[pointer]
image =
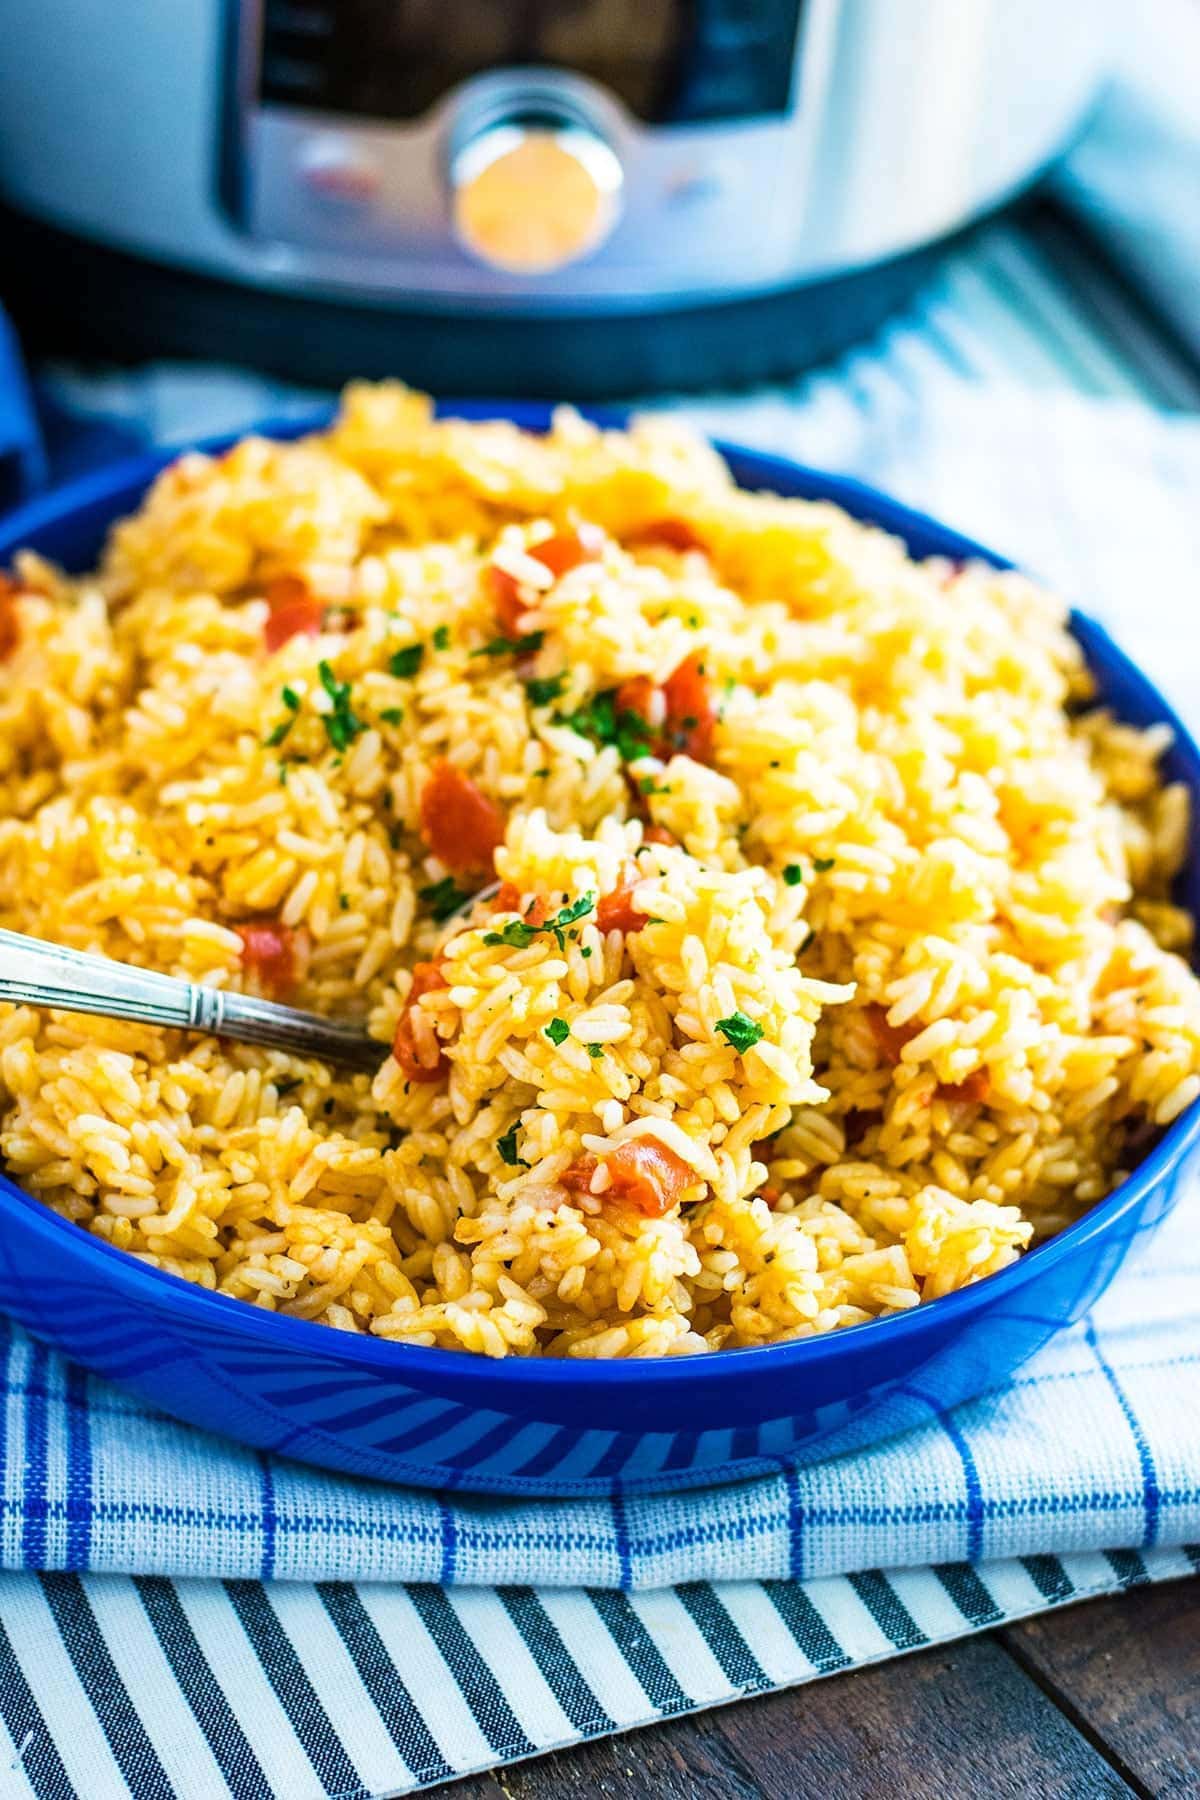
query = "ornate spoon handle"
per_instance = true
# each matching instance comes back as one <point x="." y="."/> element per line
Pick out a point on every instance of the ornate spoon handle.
<point x="36" y="973"/>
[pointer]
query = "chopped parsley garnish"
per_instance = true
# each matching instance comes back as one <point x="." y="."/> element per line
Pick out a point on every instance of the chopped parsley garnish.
<point x="344" y="902"/>
<point x="648" y="785"/>
<point x="578" y="909"/>
<point x="518" y="934"/>
<point x="739" y="1031"/>
<point x="392" y="715"/>
<point x="342" y="725"/>
<point x="504" y="646"/>
<point x="406" y="662"/>
<point x="599" y="720"/>
<point x="558" y="1031"/>
<point x="793" y="875"/>
<point x="823" y="864"/>
<point x="291" y="700"/>
<point x="441" y="638"/>
<point x="543" y="689"/>
<point x="444" y="897"/>
<point x="507" y="1146"/>
<point x="586" y="951"/>
<point x="595" y="1051"/>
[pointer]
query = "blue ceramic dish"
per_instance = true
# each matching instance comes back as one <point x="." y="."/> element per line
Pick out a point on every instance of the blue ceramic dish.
<point x="445" y="1419"/>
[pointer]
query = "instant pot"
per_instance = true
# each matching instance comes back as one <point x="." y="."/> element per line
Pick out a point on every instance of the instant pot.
<point x="567" y="196"/>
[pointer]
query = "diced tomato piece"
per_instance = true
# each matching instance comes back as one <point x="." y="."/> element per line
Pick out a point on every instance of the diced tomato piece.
<point x="10" y="625"/>
<point x="458" y="822"/>
<point x="684" y="717"/>
<point x="690" y="711"/>
<point x="578" y="1178"/>
<point x="672" y="534"/>
<point x="567" y="549"/>
<point x="658" y="834"/>
<point x="508" y="899"/>
<point x="890" y="1039"/>
<point x="295" y="612"/>
<point x="616" y="911"/>
<point x="646" y="1176"/>
<point x="971" y="1092"/>
<point x="269" y="955"/>
<point x="508" y="601"/>
<point x="428" y="977"/>
<point x="772" y="1196"/>
<point x="637" y="696"/>
<point x="559" y="553"/>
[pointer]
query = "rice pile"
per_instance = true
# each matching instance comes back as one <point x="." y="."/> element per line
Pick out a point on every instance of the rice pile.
<point x="825" y="975"/>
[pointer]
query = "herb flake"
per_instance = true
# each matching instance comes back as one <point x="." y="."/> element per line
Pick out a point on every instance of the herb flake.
<point x="405" y="663"/>
<point x="793" y="875"/>
<point x="541" y="690"/>
<point x="558" y="1031"/>
<point x="601" y="722"/>
<point x="739" y="1031"/>
<point x="504" y="646"/>
<point x="342" y="725"/>
<point x="507" y="1146"/>
<point x="518" y="934"/>
<point x="443" y="897"/>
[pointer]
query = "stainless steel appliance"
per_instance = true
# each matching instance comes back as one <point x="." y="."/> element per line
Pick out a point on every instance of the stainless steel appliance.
<point x="548" y="194"/>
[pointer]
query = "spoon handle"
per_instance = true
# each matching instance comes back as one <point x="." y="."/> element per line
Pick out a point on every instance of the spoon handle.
<point x="36" y="973"/>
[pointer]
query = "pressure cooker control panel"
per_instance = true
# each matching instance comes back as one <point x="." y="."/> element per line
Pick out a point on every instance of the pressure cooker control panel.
<point x="521" y="136"/>
<point x="666" y="60"/>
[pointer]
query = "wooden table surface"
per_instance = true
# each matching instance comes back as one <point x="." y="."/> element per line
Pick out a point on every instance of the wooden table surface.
<point x="1099" y="1699"/>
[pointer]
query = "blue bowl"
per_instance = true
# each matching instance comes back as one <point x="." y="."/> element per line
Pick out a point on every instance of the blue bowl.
<point x="445" y="1419"/>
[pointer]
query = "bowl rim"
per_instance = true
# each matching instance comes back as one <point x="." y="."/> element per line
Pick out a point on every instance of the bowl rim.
<point x="764" y="471"/>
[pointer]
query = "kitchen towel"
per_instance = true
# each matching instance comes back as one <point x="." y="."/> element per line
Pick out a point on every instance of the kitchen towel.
<point x="403" y="1640"/>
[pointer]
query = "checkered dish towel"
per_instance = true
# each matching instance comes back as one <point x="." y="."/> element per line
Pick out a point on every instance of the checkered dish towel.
<point x="377" y="1668"/>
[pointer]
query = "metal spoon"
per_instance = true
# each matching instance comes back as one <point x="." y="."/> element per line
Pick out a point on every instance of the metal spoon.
<point x="36" y="973"/>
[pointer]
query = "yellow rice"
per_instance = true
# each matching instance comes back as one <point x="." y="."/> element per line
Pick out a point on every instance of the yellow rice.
<point x="967" y="847"/>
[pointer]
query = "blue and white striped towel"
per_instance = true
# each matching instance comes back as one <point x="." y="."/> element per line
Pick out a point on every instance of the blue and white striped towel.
<point x="503" y="1629"/>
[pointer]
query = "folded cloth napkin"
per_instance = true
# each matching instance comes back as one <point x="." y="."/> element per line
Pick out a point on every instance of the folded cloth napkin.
<point x="501" y="1630"/>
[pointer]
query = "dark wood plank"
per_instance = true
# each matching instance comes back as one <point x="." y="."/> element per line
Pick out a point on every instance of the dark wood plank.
<point x="1127" y="1667"/>
<point x="960" y="1719"/>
